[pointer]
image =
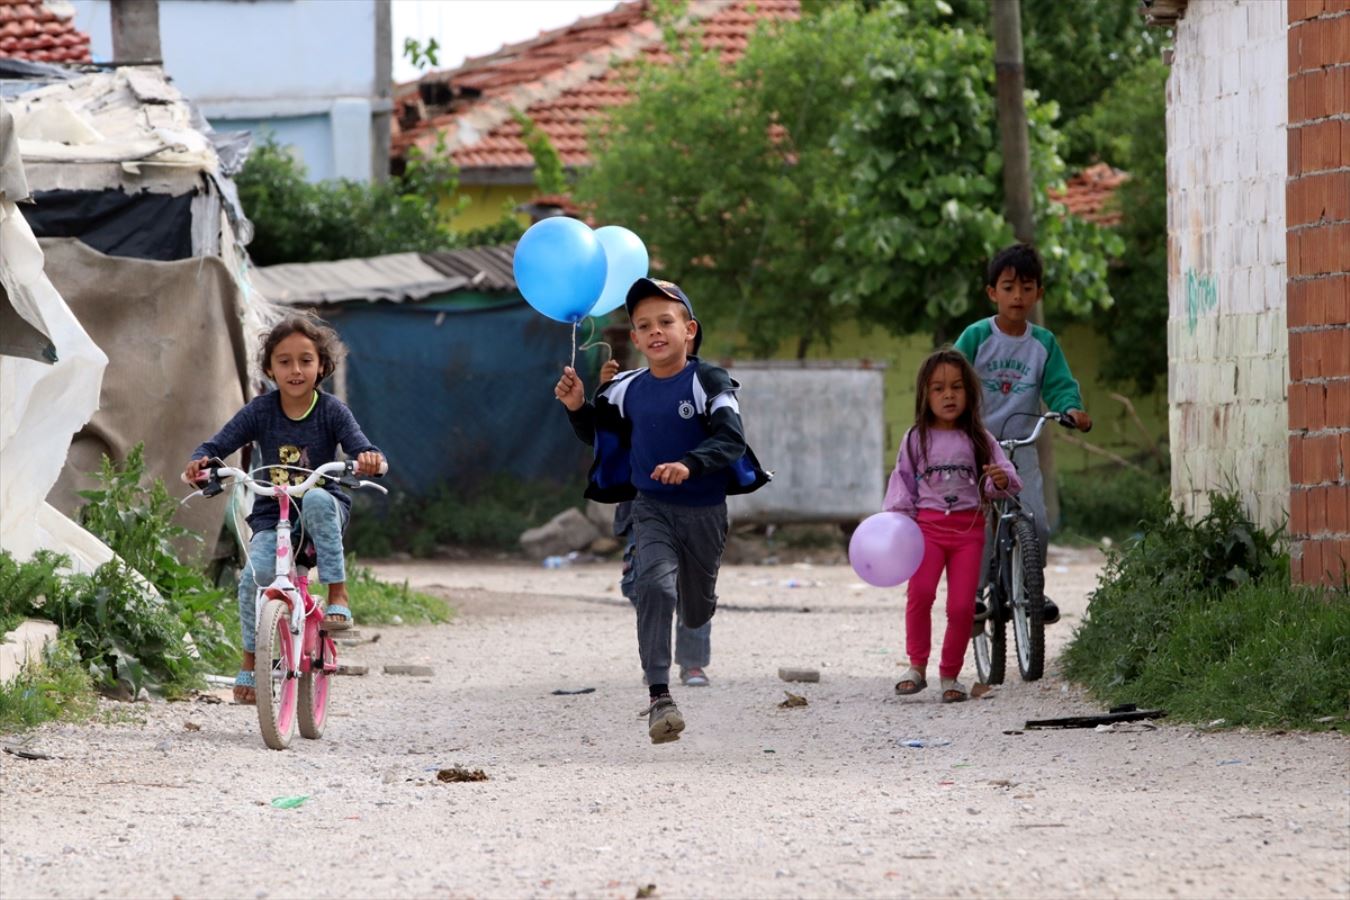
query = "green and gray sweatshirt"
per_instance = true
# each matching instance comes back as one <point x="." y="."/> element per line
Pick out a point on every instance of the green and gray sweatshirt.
<point x="1016" y="373"/>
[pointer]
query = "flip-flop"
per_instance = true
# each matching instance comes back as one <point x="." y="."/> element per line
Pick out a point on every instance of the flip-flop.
<point x="954" y="691"/>
<point x="335" y="609"/>
<point x="915" y="681"/>
<point x="242" y="681"/>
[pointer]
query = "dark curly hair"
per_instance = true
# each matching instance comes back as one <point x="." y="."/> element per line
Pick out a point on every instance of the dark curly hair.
<point x="330" y="347"/>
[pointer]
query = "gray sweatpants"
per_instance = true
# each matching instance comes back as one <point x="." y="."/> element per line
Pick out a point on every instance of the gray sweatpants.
<point x="679" y="550"/>
<point x="693" y="646"/>
<point x="1033" y="501"/>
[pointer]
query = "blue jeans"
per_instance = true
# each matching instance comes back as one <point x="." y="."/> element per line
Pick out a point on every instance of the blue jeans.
<point x="322" y="519"/>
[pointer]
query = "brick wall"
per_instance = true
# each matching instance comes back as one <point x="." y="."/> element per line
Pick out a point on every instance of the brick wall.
<point x="1227" y="104"/>
<point x="1318" y="248"/>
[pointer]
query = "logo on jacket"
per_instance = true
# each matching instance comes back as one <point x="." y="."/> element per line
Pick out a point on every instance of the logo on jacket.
<point x="686" y="410"/>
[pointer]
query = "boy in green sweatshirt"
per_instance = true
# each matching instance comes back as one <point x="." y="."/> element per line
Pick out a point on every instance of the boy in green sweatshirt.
<point x="1019" y="365"/>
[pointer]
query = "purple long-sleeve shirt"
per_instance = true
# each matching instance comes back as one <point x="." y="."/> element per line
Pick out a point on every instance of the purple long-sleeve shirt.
<point x="943" y="479"/>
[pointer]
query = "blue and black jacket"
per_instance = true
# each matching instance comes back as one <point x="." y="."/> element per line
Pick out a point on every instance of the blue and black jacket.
<point x="604" y="425"/>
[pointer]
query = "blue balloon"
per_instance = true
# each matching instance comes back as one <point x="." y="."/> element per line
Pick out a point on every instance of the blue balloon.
<point x="626" y="258"/>
<point x="560" y="268"/>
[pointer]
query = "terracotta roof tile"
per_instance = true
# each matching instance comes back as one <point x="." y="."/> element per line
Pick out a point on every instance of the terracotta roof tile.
<point x="1086" y="194"/>
<point x="30" y="30"/>
<point x="562" y="79"/>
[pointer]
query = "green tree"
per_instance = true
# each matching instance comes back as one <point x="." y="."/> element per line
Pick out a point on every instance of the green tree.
<point x="298" y="221"/>
<point x="788" y="197"/>
<point x="1126" y="127"/>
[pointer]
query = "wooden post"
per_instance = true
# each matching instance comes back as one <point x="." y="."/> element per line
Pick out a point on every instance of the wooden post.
<point x="1012" y="129"/>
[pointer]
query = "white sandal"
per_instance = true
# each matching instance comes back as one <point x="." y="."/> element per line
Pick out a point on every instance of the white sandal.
<point x="952" y="686"/>
<point x="914" y="677"/>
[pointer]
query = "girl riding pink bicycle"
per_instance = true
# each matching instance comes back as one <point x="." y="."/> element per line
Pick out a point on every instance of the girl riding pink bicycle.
<point x="295" y="426"/>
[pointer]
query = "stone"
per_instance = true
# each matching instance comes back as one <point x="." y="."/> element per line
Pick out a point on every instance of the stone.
<point x="415" y="671"/>
<point x="351" y="670"/>
<point x="601" y="515"/>
<point x="567" y="531"/>
<point x="807" y="675"/>
<point x="604" y="546"/>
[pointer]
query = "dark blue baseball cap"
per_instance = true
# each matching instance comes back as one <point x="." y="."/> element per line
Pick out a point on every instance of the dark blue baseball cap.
<point x="655" y="287"/>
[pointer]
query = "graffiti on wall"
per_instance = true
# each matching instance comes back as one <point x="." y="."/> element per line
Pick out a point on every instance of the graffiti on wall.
<point x="1202" y="295"/>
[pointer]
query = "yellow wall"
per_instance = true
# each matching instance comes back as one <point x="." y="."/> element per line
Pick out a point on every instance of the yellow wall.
<point x="487" y="202"/>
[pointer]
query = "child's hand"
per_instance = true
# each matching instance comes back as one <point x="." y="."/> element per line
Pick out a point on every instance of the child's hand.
<point x="192" y="473"/>
<point x="369" y="463"/>
<point x="1081" y="420"/>
<point x="569" y="389"/>
<point x="670" y="473"/>
<point x="994" y="472"/>
<point x="608" y="371"/>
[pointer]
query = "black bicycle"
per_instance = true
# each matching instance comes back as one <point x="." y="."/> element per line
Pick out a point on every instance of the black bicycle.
<point x="1015" y="582"/>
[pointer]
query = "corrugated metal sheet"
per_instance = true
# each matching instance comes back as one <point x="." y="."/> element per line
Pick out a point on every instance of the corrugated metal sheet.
<point x="486" y="268"/>
<point x="395" y="278"/>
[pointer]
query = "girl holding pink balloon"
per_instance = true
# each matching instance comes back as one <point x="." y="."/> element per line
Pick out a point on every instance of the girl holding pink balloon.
<point x="948" y="468"/>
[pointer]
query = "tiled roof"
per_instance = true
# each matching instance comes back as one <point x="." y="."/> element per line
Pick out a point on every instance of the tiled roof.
<point x="1086" y="194"/>
<point x="29" y="29"/>
<point x="561" y="80"/>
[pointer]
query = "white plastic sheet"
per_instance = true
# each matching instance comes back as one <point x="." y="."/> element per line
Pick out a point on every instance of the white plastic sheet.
<point x="42" y="405"/>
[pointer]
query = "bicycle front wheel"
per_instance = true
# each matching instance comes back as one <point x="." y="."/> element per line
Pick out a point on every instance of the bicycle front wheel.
<point x="1028" y="600"/>
<point x="274" y="661"/>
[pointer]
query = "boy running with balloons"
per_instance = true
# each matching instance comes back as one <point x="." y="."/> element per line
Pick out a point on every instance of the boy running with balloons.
<point x="669" y="438"/>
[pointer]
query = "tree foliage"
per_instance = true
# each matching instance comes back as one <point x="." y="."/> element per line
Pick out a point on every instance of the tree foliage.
<point x="1125" y="127"/>
<point x="295" y="220"/>
<point x="789" y="197"/>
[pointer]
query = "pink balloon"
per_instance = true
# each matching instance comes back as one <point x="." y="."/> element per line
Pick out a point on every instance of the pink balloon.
<point x="886" y="549"/>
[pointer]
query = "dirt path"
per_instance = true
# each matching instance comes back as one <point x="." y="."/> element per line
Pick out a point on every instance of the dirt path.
<point x="755" y="801"/>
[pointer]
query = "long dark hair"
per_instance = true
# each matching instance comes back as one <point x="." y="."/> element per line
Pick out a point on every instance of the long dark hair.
<point x="970" y="420"/>
<point x="326" y="341"/>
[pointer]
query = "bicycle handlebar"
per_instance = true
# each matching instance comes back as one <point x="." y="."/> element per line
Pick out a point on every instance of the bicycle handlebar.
<point x="347" y="478"/>
<point x="1013" y="443"/>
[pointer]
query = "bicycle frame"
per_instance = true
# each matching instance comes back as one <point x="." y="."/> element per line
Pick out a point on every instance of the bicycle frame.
<point x="306" y="617"/>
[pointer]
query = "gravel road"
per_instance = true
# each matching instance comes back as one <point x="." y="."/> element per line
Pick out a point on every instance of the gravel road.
<point x="173" y="799"/>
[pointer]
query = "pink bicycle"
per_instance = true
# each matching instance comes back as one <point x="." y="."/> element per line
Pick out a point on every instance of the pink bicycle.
<point x="295" y="658"/>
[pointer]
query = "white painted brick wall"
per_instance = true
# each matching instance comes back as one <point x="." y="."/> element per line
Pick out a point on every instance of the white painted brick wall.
<point x="1226" y="340"/>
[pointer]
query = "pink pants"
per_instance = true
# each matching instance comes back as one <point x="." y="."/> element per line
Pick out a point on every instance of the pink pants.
<point x="954" y="542"/>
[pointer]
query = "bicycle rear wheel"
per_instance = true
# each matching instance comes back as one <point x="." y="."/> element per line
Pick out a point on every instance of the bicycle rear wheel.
<point x="274" y="661"/>
<point x="1028" y="600"/>
<point x="990" y="645"/>
<point x="314" y="686"/>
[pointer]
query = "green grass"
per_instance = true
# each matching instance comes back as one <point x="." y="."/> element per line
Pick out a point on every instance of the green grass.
<point x="1200" y="618"/>
<point x="376" y="602"/>
<point x="60" y="689"/>
<point x="1106" y="501"/>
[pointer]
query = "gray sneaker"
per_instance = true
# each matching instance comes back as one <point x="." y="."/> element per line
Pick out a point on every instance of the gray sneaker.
<point x="693" y="676"/>
<point x="664" y="722"/>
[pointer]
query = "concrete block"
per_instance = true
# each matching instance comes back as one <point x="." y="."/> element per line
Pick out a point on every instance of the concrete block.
<point x="23" y="647"/>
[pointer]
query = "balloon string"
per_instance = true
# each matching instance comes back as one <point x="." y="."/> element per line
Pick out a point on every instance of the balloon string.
<point x="588" y="343"/>
<point x="574" y="345"/>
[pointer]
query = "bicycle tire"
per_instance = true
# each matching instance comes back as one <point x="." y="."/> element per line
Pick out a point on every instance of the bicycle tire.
<point x="273" y="660"/>
<point x="990" y="646"/>
<point x="314" y="687"/>
<point x="1028" y="600"/>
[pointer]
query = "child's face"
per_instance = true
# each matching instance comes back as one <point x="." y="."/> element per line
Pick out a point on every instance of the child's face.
<point x="946" y="394"/>
<point x="294" y="365"/>
<point x="1014" y="296"/>
<point x="662" y="330"/>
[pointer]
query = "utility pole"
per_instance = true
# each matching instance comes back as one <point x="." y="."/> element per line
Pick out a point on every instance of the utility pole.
<point x="1012" y="129"/>
<point x="135" y="32"/>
